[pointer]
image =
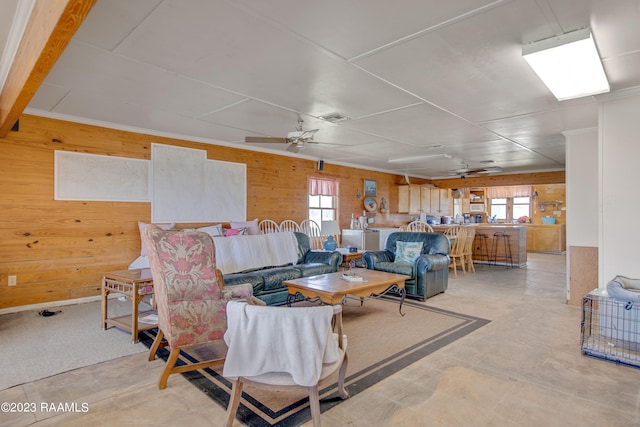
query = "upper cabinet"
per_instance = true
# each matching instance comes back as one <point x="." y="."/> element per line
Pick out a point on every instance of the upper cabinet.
<point x="413" y="199"/>
<point x="476" y="202"/>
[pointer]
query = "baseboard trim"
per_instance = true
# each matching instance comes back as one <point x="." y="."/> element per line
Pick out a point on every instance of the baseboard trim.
<point x="51" y="304"/>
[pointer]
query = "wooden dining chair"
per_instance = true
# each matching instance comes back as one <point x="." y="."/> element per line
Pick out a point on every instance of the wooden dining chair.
<point x="457" y="251"/>
<point x="315" y="347"/>
<point x="312" y="229"/>
<point x="468" y="249"/>
<point x="419" y="226"/>
<point x="452" y="231"/>
<point x="289" y="225"/>
<point x="267" y="226"/>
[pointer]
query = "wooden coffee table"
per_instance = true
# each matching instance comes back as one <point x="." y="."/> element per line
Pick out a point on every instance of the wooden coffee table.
<point x="331" y="288"/>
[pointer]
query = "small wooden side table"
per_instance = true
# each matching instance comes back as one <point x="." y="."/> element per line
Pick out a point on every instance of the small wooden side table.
<point x="351" y="260"/>
<point x="135" y="285"/>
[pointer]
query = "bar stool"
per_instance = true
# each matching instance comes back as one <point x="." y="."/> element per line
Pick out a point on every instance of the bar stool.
<point x="498" y="239"/>
<point x="482" y="249"/>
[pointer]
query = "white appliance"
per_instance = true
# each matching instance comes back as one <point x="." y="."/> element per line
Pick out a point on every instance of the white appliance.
<point x="364" y="240"/>
<point x="384" y="234"/>
<point x="476" y="207"/>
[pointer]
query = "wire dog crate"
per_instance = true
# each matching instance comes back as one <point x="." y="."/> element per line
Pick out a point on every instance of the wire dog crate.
<point x="610" y="328"/>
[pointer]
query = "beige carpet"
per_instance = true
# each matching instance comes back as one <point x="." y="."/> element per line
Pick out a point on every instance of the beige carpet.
<point x="35" y="347"/>
<point x="380" y="343"/>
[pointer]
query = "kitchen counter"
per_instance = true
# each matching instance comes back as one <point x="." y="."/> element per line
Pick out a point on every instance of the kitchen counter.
<point x="517" y="241"/>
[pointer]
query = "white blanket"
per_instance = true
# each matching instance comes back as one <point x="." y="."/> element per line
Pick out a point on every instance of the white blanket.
<point x="240" y="253"/>
<point x="263" y="339"/>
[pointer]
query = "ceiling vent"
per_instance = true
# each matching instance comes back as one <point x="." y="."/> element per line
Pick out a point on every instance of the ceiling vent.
<point x="335" y="117"/>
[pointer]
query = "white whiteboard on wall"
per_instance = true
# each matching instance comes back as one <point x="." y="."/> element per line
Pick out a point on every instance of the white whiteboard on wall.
<point x="80" y="176"/>
<point x="187" y="187"/>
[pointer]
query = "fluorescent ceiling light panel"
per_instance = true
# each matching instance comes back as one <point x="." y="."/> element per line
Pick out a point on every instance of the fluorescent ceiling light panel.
<point x="418" y="158"/>
<point x="568" y="64"/>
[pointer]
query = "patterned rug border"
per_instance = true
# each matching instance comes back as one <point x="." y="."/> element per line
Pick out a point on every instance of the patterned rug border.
<point x="217" y="387"/>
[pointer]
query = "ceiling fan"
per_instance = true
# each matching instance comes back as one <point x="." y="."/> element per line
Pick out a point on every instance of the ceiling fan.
<point x="296" y="139"/>
<point x="465" y="171"/>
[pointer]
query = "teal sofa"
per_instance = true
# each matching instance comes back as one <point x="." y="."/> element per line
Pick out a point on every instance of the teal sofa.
<point x="267" y="282"/>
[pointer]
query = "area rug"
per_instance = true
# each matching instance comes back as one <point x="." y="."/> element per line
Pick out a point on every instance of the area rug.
<point x="380" y="343"/>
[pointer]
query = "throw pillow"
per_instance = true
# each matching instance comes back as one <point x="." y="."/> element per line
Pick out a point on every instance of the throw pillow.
<point x="212" y="230"/>
<point x="232" y="232"/>
<point x="407" y="252"/>
<point x="251" y="226"/>
<point x="142" y="225"/>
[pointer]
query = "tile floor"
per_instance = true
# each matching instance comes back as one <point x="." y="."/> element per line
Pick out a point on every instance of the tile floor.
<point x="523" y="369"/>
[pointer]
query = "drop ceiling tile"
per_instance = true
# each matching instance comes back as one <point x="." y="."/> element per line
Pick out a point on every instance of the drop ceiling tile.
<point x="344" y="27"/>
<point x="110" y="21"/>
<point x="421" y="125"/>
<point x="133" y="115"/>
<point x="473" y="68"/>
<point x="614" y="23"/>
<point x="622" y="71"/>
<point x="87" y="69"/>
<point x="256" y="59"/>
<point x="48" y="96"/>
<point x="527" y="128"/>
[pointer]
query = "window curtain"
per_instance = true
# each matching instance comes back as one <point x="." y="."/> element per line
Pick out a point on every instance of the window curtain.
<point x="323" y="187"/>
<point x="509" y="192"/>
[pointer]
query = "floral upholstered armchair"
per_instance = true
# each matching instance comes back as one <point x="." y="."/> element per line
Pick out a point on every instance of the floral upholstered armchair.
<point x="190" y="297"/>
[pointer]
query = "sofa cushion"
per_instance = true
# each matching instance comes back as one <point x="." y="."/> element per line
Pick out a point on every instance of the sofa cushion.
<point x="407" y="252"/>
<point x="256" y="281"/>
<point x="273" y="277"/>
<point x="395" y="267"/>
<point x="313" y="269"/>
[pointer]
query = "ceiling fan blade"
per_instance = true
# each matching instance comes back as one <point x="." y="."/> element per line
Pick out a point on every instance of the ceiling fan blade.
<point x="308" y="134"/>
<point x="261" y="139"/>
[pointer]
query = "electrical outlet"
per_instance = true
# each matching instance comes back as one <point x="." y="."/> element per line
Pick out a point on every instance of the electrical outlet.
<point x="13" y="280"/>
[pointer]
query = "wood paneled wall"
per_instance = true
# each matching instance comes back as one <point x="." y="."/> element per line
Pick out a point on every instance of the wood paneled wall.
<point x="549" y="193"/>
<point x="59" y="249"/>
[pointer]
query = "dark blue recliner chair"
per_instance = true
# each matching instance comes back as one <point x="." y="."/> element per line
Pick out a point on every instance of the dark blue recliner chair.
<point x="430" y="271"/>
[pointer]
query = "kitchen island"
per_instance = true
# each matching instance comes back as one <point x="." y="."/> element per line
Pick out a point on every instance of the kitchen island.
<point x="517" y="242"/>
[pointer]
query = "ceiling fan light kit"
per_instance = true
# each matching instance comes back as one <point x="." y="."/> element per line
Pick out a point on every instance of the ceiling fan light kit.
<point x="569" y="64"/>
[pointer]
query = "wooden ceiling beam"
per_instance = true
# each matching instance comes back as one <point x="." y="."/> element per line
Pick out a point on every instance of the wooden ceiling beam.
<point x="535" y="178"/>
<point x="51" y="26"/>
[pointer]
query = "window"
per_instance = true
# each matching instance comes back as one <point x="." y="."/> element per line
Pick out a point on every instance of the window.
<point x="508" y="209"/>
<point x="323" y="199"/>
<point x="499" y="209"/>
<point x="521" y="207"/>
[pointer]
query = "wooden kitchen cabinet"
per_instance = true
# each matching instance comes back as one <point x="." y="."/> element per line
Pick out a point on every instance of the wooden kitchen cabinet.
<point x="403" y="199"/>
<point x="425" y="199"/>
<point x="414" y="199"/>
<point x="409" y="199"/>
<point x="440" y="202"/>
<point x="546" y="238"/>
